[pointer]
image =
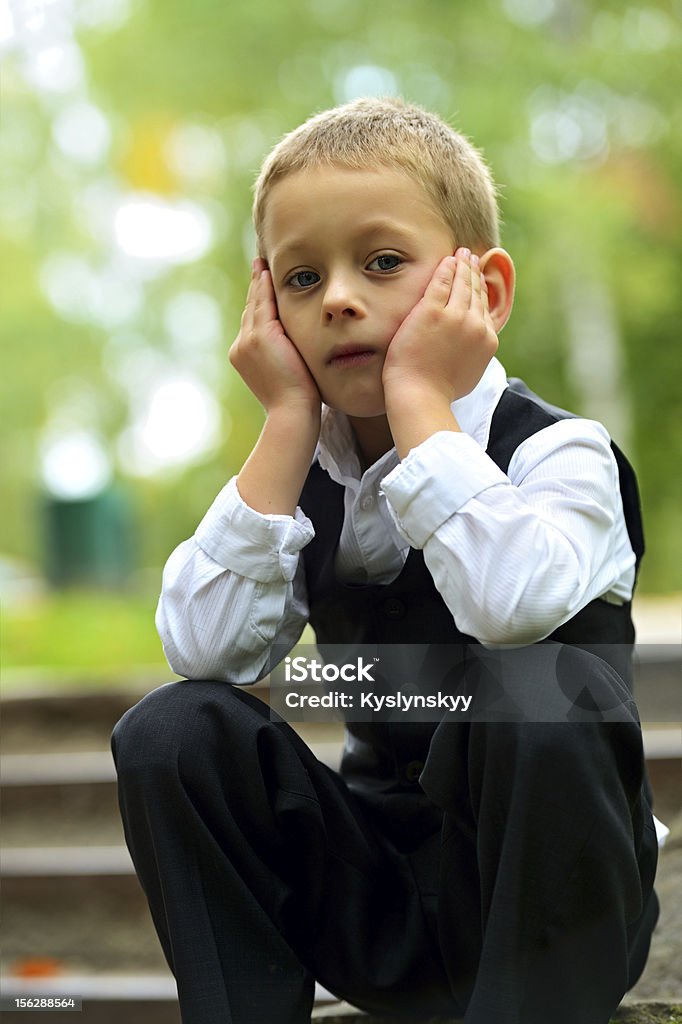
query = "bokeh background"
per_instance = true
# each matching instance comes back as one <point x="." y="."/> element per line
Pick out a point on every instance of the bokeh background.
<point x="131" y="133"/>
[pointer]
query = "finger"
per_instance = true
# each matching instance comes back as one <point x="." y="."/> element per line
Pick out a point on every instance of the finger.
<point x="439" y="287"/>
<point x="484" y="293"/>
<point x="247" y="315"/>
<point x="461" y="289"/>
<point x="485" y="300"/>
<point x="476" y="286"/>
<point x="265" y="307"/>
<point x="257" y="268"/>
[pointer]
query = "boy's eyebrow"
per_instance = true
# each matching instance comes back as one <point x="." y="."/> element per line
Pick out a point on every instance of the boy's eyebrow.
<point x="373" y="227"/>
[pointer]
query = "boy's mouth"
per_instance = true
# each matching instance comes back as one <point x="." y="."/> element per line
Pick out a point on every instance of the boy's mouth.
<point x="350" y="355"/>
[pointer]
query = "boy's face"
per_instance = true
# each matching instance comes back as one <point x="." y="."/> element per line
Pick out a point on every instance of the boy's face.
<point x="351" y="252"/>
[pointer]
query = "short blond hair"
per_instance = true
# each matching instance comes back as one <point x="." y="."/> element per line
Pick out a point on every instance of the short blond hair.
<point x="389" y="132"/>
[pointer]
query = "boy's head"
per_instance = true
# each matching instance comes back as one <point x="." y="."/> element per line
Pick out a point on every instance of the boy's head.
<point x="354" y="211"/>
<point x="367" y="134"/>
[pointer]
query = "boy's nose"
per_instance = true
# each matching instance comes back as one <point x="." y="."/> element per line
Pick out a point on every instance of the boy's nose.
<point x="340" y="301"/>
<point x="335" y="312"/>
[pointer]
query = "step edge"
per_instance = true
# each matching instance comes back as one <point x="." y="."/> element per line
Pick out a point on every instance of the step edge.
<point x="64" y="861"/>
<point x="160" y="987"/>
<point x="97" y="767"/>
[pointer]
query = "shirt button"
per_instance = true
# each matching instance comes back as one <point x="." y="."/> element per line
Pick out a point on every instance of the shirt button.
<point x="367" y="502"/>
<point x="394" y="609"/>
<point x="413" y="770"/>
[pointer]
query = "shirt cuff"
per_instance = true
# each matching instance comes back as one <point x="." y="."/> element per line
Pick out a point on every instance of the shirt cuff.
<point x="435" y="480"/>
<point x="260" y="547"/>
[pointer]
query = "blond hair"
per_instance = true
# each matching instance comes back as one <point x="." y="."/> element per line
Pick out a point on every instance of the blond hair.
<point x="369" y="133"/>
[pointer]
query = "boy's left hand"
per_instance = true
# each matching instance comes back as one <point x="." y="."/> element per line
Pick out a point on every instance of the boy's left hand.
<point x="442" y="347"/>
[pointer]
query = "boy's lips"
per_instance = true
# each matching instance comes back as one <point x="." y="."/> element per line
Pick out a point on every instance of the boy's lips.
<point x="350" y="355"/>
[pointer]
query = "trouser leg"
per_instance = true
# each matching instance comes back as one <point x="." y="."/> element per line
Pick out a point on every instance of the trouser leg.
<point x="181" y="815"/>
<point x="549" y="845"/>
<point x="261" y="869"/>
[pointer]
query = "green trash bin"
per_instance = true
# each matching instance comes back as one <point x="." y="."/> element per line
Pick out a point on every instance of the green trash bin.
<point x="88" y="541"/>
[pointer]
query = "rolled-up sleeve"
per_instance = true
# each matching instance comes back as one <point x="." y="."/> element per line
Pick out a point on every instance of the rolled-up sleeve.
<point x="429" y="486"/>
<point x="232" y="590"/>
<point x="514" y="556"/>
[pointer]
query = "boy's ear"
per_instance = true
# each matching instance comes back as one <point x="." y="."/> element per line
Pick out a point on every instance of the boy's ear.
<point x="498" y="269"/>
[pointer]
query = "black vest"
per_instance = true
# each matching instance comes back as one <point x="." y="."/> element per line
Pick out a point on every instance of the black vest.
<point x="411" y="610"/>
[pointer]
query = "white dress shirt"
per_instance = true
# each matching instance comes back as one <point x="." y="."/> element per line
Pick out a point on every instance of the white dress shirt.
<point x="513" y="555"/>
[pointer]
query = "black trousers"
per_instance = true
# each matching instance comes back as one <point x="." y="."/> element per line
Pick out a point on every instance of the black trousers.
<point x="511" y="883"/>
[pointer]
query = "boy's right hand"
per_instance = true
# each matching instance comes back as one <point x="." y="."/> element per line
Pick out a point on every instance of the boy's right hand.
<point x="265" y="358"/>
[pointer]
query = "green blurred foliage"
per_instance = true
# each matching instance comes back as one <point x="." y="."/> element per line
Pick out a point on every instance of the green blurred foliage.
<point x="575" y="103"/>
<point x="82" y="636"/>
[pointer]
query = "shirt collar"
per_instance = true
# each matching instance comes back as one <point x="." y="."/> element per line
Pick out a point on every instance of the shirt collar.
<point x="336" y="448"/>
<point x="337" y="443"/>
<point x="475" y="411"/>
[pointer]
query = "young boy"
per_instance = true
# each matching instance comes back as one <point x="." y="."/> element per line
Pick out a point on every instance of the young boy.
<point x="402" y="491"/>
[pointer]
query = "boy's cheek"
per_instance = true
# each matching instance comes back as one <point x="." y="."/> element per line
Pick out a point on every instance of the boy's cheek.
<point x="293" y="327"/>
<point x="280" y="301"/>
<point x="418" y="285"/>
<point x="287" y="322"/>
<point x="405" y="312"/>
<point x="303" y="347"/>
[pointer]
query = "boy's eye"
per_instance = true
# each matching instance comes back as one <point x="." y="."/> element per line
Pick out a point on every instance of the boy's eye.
<point x="303" y="279"/>
<point x="387" y="261"/>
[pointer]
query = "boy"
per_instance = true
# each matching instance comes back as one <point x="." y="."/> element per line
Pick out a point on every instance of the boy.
<point x="402" y="492"/>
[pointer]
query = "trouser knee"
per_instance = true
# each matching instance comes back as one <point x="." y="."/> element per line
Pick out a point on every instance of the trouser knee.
<point x="547" y="682"/>
<point x="549" y="720"/>
<point x="178" y="724"/>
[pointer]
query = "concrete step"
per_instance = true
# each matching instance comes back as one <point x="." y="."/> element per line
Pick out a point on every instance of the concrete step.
<point x="69" y="798"/>
<point x="21" y="771"/>
<point x="640" y="1013"/>
<point x="112" y="998"/>
<point x="82" y="907"/>
<point x="152" y="999"/>
<point x="658" y="682"/>
<point x="82" y="720"/>
<point x="64" y="799"/>
<point x="69" y="720"/>
<point x="663" y="752"/>
<point x="105" y="999"/>
<point x="85" y="909"/>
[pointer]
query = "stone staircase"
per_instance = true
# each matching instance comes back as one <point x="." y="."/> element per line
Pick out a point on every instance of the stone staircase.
<point x="74" y="920"/>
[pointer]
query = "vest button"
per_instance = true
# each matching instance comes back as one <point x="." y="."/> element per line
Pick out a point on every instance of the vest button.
<point x="394" y="609"/>
<point x="413" y="770"/>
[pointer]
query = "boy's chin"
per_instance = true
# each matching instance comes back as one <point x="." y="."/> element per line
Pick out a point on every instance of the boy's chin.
<point x="361" y="402"/>
<point x="360" y="410"/>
